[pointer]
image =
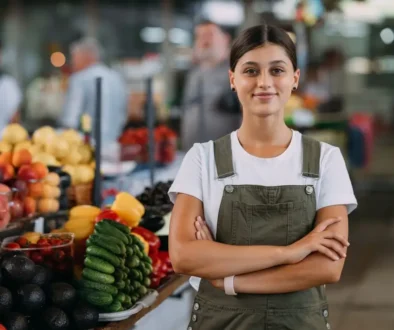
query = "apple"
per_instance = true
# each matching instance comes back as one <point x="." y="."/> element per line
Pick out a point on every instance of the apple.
<point x="27" y="173"/>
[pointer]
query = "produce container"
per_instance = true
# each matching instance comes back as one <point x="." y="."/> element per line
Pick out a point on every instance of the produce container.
<point x="55" y="251"/>
<point x="5" y="215"/>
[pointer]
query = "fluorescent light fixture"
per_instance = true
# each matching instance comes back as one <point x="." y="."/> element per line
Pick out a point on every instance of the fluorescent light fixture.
<point x="229" y="13"/>
<point x="387" y="36"/>
<point x="153" y="35"/>
<point x="361" y="11"/>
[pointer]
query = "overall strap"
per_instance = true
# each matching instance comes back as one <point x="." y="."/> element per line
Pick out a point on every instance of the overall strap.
<point x="311" y="157"/>
<point x="223" y="157"/>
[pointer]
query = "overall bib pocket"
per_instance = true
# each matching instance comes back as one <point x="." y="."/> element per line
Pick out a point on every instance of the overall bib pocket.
<point x="268" y="224"/>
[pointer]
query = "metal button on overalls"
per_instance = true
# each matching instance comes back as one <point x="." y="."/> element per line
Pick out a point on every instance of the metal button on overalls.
<point x="328" y="326"/>
<point x="325" y="313"/>
<point x="196" y="306"/>
<point x="229" y="189"/>
<point x="309" y="190"/>
<point x="194" y="317"/>
<point x="189" y="328"/>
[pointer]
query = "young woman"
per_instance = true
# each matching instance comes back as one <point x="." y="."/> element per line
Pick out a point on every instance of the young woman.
<point x="276" y="203"/>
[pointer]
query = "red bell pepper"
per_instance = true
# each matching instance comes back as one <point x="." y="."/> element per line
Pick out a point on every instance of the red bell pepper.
<point x="108" y="214"/>
<point x="150" y="237"/>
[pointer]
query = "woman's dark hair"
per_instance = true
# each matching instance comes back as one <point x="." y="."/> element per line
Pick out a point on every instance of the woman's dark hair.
<point x="258" y="36"/>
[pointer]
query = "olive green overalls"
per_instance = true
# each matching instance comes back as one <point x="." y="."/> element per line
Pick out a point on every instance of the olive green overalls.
<point x="259" y="215"/>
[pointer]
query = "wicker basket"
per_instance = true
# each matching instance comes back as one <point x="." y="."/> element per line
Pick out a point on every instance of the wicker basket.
<point x="80" y="194"/>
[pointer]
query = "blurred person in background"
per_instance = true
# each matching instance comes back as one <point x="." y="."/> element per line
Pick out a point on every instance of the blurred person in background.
<point x="81" y="96"/>
<point x="10" y="98"/>
<point x="210" y="108"/>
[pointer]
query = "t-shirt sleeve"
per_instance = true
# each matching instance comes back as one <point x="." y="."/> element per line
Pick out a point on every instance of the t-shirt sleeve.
<point x="188" y="179"/>
<point x="335" y="187"/>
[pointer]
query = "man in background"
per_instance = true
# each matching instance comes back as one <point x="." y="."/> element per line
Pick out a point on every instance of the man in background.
<point x="81" y="97"/>
<point x="210" y="108"/>
<point x="10" y="98"/>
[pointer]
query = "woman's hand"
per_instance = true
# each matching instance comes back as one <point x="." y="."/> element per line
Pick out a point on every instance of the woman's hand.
<point x="320" y="240"/>
<point x="202" y="230"/>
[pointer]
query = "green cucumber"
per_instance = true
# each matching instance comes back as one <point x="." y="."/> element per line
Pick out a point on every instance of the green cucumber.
<point x="105" y="244"/>
<point x="120" y="297"/>
<point x="122" y="228"/>
<point x="147" y="282"/>
<point x="99" y="265"/>
<point x="98" y="277"/>
<point x="133" y="262"/>
<point x="120" y="285"/>
<point x="143" y="291"/>
<point x="86" y="284"/>
<point x="99" y="252"/>
<point x="103" y="227"/>
<point x="116" y="306"/>
<point x="98" y="298"/>
<point x="110" y="240"/>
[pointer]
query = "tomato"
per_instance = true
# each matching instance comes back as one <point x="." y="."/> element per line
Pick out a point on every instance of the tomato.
<point x="13" y="246"/>
<point x="58" y="255"/>
<point x="55" y="241"/>
<point x="42" y="242"/>
<point x="36" y="257"/>
<point x="23" y="242"/>
<point x="155" y="282"/>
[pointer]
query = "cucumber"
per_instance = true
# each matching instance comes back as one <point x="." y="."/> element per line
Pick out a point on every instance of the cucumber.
<point x="105" y="244"/>
<point x="134" y="298"/>
<point x="98" y="277"/>
<point x="147" y="282"/>
<point x="116" y="306"/>
<point x="103" y="227"/>
<point x="110" y="240"/>
<point x="143" y="291"/>
<point x="99" y="265"/>
<point x="146" y="259"/>
<point x="86" y="284"/>
<point x="133" y="262"/>
<point x="120" y="285"/>
<point x="98" y="298"/>
<point x="137" y="285"/>
<point x="121" y="297"/>
<point x="134" y="274"/>
<point x="122" y="228"/>
<point x="99" y="252"/>
<point x="129" y="251"/>
<point x="127" y="300"/>
<point x="120" y="275"/>
<point x="148" y="268"/>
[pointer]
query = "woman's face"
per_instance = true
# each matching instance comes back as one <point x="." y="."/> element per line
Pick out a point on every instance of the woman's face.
<point x="263" y="79"/>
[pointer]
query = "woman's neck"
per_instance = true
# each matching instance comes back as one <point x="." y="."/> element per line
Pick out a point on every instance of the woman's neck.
<point x="263" y="131"/>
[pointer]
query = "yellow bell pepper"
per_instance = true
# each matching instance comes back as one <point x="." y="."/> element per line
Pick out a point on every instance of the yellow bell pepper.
<point x="129" y="209"/>
<point x="87" y="212"/>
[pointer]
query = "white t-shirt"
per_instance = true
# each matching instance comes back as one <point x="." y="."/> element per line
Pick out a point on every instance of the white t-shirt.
<point x="197" y="176"/>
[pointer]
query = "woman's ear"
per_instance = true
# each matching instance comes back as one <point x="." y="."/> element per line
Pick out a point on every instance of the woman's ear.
<point x="296" y="77"/>
<point x="231" y="78"/>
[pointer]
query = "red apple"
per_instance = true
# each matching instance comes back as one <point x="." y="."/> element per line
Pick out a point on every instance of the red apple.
<point x="27" y="173"/>
<point x="16" y="209"/>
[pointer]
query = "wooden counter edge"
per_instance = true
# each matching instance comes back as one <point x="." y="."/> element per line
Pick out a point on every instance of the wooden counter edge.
<point x="173" y="283"/>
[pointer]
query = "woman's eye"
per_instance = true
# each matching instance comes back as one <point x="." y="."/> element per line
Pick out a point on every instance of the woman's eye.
<point x="277" y="71"/>
<point x="251" y="71"/>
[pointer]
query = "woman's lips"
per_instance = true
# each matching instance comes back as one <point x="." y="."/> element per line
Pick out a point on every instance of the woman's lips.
<point x="264" y="96"/>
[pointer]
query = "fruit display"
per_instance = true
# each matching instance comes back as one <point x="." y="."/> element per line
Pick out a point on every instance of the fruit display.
<point x="116" y="268"/>
<point x="134" y="144"/>
<point x="66" y="149"/>
<point x="157" y="204"/>
<point x="32" y="299"/>
<point x="55" y="251"/>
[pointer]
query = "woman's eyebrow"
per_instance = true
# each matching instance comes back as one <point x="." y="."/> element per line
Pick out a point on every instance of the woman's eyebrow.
<point x="271" y="63"/>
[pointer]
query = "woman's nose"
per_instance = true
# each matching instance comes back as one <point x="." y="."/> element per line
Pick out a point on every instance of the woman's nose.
<point x="264" y="80"/>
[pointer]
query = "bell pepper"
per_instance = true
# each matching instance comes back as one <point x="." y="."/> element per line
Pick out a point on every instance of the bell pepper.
<point x="150" y="237"/>
<point x="128" y="208"/>
<point x="107" y="214"/>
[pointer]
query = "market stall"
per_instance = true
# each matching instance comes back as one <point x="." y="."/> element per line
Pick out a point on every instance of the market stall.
<point x="77" y="251"/>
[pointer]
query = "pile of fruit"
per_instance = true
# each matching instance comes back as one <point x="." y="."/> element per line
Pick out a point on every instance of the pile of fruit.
<point x="54" y="251"/>
<point x="66" y="150"/>
<point x="165" y="141"/>
<point x="117" y="268"/>
<point x="32" y="300"/>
